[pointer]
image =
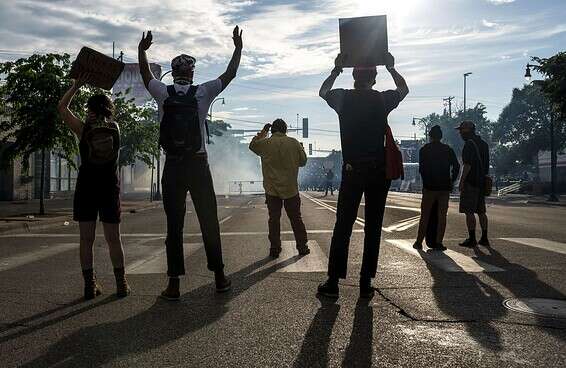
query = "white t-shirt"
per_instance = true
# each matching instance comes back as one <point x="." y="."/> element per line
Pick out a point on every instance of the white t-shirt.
<point x="205" y="94"/>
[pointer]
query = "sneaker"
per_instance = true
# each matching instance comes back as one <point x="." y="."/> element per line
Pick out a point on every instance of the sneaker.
<point x="469" y="243"/>
<point x="418" y="246"/>
<point x="366" y="290"/>
<point x="439" y="247"/>
<point x="223" y="284"/>
<point x="485" y="242"/>
<point x="274" y="252"/>
<point x="172" y="292"/>
<point x="303" y="250"/>
<point x="329" y="289"/>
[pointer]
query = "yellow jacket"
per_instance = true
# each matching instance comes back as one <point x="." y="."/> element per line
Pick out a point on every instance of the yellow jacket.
<point x="281" y="157"/>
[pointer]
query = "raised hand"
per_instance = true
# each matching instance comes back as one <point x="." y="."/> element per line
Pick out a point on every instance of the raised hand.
<point x="237" y="37"/>
<point x="146" y="41"/>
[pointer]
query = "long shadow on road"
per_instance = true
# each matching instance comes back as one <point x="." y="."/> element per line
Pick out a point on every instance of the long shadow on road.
<point x="464" y="298"/>
<point x="163" y="323"/>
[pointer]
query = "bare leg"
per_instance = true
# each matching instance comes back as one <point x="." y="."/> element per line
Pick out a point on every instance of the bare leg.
<point x="87" y="235"/>
<point x="112" y="236"/>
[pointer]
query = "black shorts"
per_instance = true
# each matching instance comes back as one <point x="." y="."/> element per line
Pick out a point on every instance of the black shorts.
<point x="472" y="200"/>
<point x="97" y="196"/>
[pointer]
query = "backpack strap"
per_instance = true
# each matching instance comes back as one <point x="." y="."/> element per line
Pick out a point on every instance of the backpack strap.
<point x="171" y="91"/>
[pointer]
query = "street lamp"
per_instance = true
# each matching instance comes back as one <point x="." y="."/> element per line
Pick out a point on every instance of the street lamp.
<point x="425" y="124"/>
<point x="553" y="158"/>
<point x="157" y="194"/>
<point x="212" y="104"/>
<point x="465" y="77"/>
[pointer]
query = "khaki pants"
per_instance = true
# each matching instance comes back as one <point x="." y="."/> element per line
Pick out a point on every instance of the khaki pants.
<point x="430" y="197"/>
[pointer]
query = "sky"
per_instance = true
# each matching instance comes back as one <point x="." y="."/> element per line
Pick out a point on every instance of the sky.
<point x="290" y="46"/>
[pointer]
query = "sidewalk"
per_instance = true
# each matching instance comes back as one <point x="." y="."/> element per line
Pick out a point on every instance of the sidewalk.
<point x="22" y="216"/>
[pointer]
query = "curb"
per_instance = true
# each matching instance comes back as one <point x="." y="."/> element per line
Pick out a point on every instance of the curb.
<point x="26" y="227"/>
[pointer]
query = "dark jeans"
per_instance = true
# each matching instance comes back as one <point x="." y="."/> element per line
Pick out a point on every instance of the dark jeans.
<point x="357" y="179"/>
<point x="190" y="174"/>
<point x="293" y="209"/>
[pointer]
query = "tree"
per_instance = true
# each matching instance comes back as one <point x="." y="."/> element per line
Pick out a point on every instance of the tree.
<point x="477" y="114"/>
<point x="523" y="127"/>
<point x="139" y="131"/>
<point x="554" y="86"/>
<point x="32" y="90"/>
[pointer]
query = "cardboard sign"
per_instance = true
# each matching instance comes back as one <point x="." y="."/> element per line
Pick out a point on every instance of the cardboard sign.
<point x="363" y="41"/>
<point x="103" y="69"/>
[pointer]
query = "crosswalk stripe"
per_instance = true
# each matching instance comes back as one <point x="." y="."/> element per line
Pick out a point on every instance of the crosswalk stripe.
<point x="186" y="235"/>
<point x="36" y="255"/>
<point x="155" y="261"/>
<point x="404" y="224"/>
<point x="448" y="260"/>
<point x="316" y="261"/>
<point x="359" y="221"/>
<point x="540" y="243"/>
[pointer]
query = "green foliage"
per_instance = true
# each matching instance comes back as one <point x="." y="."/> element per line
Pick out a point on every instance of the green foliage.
<point x="451" y="136"/>
<point x="139" y="130"/>
<point x="218" y="128"/>
<point x="32" y="90"/>
<point x="554" y="86"/>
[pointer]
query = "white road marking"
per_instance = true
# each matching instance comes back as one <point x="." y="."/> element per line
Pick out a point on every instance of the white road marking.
<point x="448" y="260"/>
<point x="224" y="219"/>
<point x="156" y="260"/>
<point x="359" y="221"/>
<point x="35" y="255"/>
<point x="413" y="209"/>
<point x="549" y="245"/>
<point x="403" y="224"/>
<point x="316" y="261"/>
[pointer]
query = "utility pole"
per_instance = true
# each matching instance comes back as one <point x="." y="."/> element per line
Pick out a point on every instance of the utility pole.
<point x="448" y="100"/>
<point x="465" y="77"/>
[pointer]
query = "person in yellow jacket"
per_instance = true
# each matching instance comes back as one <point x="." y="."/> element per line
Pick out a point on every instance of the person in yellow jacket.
<point x="281" y="157"/>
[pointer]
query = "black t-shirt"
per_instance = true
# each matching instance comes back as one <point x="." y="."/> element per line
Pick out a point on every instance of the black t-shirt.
<point x="363" y="117"/>
<point x="438" y="166"/>
<point x="479" y="164"/>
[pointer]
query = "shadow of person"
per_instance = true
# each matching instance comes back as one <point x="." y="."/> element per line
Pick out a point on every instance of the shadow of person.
<point x="314" y="350"/>
<point x="52" y="321"/>
<point x="522" y="282"/>
<point x="359" y="352"/>
<point x="163" y="323"/>
<point x="464" y="298"/>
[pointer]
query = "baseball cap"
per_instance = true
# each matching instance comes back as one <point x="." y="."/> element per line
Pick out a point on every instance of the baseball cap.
<point x="183" y="63"/>
<point x="466" y="125"/>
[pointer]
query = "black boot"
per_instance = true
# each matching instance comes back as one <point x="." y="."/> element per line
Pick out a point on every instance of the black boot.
<point x="329" y="288"/>
<point x="172" y="292"/>
<point x="91" y="289"/>
<point x="122" y="287"/>
<point x="484" y="240"/>
<point x="366" y="290"/>
<point x="223" y="284"/>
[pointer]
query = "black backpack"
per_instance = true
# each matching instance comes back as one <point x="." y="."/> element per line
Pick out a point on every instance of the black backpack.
<point x="180" y="132"/>
<point x="103" y="141"/>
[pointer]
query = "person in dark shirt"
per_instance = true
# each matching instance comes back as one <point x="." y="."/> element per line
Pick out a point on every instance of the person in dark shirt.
<point x="329" y="183"/>
<point x="362" y="113"/>
<point x="439" y="169"/>
<point x="475" y="158"/>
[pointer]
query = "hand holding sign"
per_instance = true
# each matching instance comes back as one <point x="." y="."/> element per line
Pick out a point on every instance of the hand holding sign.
<point x="102" y="70"/>
<point x="389" y="61"/>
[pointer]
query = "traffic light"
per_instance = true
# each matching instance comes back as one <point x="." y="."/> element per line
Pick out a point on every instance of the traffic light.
<point x="305" y="127"/>
<point x="310" y="149"/>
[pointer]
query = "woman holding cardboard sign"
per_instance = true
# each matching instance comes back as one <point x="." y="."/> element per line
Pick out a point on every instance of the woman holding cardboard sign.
<point x="97" y="192"/>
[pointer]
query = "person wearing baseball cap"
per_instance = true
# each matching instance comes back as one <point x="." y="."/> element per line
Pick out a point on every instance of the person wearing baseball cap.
<point x="186" y="164"/>
<point x="475" y="159"/>
<point x="362" y="114"/>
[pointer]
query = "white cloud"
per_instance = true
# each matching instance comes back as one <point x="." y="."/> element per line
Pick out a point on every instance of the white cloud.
<point x="499" y="2"/>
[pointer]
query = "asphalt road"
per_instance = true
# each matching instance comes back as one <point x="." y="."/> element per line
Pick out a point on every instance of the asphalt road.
<point x="431" y="309"/>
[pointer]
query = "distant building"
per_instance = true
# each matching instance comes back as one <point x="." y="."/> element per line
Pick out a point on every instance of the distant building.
<point x="544" y="168"/>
